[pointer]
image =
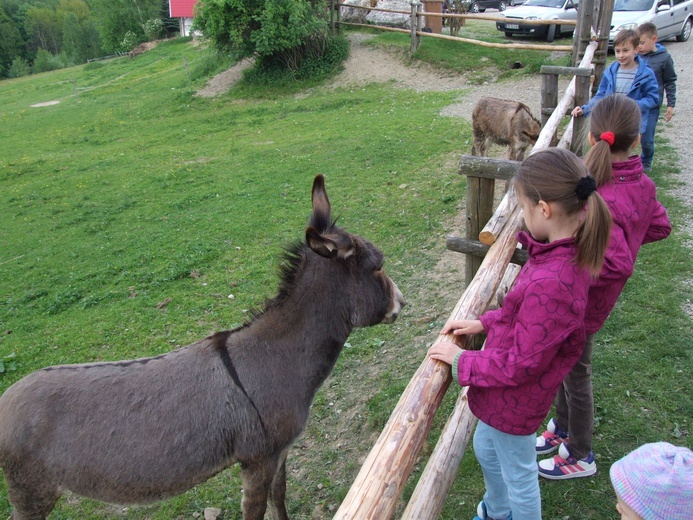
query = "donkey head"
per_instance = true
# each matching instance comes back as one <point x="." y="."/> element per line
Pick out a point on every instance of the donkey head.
<point x="358" y="265"/>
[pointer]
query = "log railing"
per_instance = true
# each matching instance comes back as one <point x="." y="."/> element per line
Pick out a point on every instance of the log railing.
<point x="378" y="485"/>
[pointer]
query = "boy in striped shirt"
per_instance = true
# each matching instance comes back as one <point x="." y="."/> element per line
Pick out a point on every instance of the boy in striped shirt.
<point x="628" y="75"/>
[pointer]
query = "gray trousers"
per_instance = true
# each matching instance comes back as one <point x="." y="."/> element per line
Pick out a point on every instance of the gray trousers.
<point x="575" y="404"/>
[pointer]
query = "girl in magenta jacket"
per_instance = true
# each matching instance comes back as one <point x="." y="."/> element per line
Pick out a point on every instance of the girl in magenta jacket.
<point x="534" y="340"/>
<point x="638" y="218"/>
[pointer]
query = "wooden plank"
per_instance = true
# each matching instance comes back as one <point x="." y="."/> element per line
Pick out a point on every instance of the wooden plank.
<point x="487" y="167"/>
<point x="570" y="71"/>
<point x="476" y="248"/>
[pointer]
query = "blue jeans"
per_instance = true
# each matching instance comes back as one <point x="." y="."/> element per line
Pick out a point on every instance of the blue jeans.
<point x="509" y="464"/>
<point x="647" y="138"/>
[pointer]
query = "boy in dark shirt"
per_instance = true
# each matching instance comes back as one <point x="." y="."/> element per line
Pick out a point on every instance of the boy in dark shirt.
<point x="659" y="60"/>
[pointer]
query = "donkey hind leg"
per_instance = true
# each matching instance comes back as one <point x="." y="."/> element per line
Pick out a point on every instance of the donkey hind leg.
<point x="277" y="494"/>
<point x="258" y="477"/>
<point x="31" y="502"/>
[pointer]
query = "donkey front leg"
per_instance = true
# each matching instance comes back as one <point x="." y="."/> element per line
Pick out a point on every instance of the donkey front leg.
<point x="259" y="480"/>
<point x="277" y="495"/>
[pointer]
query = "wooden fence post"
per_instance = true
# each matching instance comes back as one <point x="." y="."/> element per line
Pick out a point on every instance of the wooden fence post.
<point x="583" y="30"/>
<point x="414" y="23"/>
<point x="606" y="11"/>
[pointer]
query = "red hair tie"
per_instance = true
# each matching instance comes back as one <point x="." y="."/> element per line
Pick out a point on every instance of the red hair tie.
<point x="609" y="137"/>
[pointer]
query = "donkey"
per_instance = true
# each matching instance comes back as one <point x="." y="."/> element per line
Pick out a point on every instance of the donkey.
<point x="503" y="122"/>
<point x="133" y="432"/>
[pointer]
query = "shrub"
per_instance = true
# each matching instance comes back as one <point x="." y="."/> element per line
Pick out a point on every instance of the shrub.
<point x="19" y="68"/>
<point x="130" y="41"/>
<point x="153" y="28"/>
<point x="45" y="62"/>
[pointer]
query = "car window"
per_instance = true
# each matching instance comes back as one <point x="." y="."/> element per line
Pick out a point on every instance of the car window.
<point x="633" y="5"/>
<point x="677" y="2"/>
<point x="545" y="3"/>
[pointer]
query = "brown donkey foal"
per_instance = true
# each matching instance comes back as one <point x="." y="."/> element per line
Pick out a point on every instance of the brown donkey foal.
<point x="132" y="432"/>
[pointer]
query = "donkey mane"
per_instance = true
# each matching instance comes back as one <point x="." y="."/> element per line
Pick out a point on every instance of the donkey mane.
<point x="294" y="256"/>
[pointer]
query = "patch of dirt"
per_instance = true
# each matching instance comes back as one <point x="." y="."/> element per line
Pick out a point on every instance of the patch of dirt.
<point x="222" y="82"/>
<point x="45" y="104"/>
<point x="143" y="47"/>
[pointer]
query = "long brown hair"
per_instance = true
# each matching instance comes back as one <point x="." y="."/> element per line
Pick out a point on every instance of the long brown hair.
<point x="554" y="175"/>
<point x="619" y="115"/>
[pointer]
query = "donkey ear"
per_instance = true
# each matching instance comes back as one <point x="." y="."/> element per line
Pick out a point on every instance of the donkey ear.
<point x="329" y="245"/>
<point x="320" y="219"/>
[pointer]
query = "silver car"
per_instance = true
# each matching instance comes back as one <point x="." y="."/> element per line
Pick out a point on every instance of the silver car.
<point x="673" y="18"/>
<point x="539" y="10"/>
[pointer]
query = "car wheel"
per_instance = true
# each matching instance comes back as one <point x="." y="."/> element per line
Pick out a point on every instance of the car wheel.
<point x="551" y="33"/>
<point x="508" y="34"/>
<point x="501" y="6"/>
<point x="685" y="32"/>
<point x="474" y="8"/>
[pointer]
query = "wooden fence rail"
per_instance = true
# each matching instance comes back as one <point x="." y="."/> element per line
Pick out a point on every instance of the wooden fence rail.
<point x="418" y="14"/>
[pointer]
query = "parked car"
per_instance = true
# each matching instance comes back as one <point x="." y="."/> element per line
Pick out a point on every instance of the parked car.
<point x="673" y="18"/>
<point x="540" y="10"/>
<point x="479" y="6"/>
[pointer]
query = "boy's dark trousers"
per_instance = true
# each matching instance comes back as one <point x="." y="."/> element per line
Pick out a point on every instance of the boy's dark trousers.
<point x="647" y="138"/>
<point x="575" y="404"/>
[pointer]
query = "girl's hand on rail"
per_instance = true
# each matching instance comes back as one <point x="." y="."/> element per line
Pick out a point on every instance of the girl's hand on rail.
<point x="462" y="327"/>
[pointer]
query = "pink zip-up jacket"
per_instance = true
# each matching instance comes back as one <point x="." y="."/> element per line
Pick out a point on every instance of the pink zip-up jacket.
<point x="638" y="218"/>
<point x="532" y="341"/>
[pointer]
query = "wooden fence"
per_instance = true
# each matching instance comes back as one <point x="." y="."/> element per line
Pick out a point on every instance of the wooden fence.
<point x="417" y="15"/>
<point x="378" y="486"/>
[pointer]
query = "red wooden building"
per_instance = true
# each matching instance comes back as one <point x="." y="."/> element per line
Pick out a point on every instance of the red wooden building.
<point x="184" y="10"/>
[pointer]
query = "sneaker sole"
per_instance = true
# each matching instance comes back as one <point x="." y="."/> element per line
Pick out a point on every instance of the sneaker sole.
<point x="566" y="476"/>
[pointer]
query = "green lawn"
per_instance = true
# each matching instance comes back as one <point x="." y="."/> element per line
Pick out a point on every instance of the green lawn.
<point x="130" y="213"/>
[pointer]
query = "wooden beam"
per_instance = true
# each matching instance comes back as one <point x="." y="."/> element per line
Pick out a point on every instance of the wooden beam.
<point x="476" y="248"/>
<point x="570" y="71"/>
<point x="487" y="167"/>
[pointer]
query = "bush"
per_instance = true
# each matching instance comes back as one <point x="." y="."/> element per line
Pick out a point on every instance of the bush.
<point x="45" y="62"/>
<point x="153" y="28"/>
<point x="318" y="59"/>
<point x="130" y="41"/>
<point x="19" y="68"/>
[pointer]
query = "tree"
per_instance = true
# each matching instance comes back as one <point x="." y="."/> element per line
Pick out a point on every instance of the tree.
<point x="11" y="42"/>
<point x="278" y="31"/>
<point x="44" y="29"/>
<point x="115" y="18"/>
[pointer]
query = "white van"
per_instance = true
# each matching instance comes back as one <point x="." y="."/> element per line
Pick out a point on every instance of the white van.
<point x="673" y="18"/>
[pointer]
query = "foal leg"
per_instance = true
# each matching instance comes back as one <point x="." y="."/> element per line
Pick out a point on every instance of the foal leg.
<point x="277" y="494"/>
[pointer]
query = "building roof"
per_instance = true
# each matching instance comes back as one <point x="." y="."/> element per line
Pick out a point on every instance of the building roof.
<point x="181" y="8"/>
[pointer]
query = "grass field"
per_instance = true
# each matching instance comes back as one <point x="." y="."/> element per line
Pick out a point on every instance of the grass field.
<point x="131" y="211"/>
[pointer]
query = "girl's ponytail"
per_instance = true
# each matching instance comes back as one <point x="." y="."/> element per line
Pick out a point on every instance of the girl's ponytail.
<point x="593" y="234"/>
<point x="615" y="126"/>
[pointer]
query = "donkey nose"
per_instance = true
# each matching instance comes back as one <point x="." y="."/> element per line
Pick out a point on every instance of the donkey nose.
<point x="397" y="304"/>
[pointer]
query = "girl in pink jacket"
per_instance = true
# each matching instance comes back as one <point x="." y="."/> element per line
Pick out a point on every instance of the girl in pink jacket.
<point x="638" y="218"/>
<point x="534" y="340"/>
